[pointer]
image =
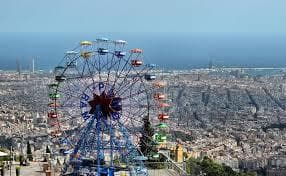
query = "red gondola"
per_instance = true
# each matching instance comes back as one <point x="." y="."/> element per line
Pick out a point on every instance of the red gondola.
<point x="160" y="96"/>
<point x="52" y="115"/>
<point x="163" y="116"/>
<point x="56" y="133"/>
<point x="136" y="62"/>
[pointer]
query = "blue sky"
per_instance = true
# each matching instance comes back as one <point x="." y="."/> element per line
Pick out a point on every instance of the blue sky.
<point x="219" y="16"/>
<point x="173" y="33"/>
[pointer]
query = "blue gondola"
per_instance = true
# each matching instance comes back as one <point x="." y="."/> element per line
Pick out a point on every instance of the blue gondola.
<point x="150" y="77"/>
<point x="60" y="78"/>
<point x="59" y="68"/>
<point x="102" y="51"/>
<point x="151" y="65"/>
<point x="119" y="54"/>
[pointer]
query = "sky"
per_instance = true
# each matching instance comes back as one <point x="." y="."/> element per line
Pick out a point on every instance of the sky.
<point x="173" y="33"/>
<point x="207" y="16"/>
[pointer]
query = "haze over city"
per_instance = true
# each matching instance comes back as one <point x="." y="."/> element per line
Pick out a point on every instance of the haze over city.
<point x="143" y="88"/>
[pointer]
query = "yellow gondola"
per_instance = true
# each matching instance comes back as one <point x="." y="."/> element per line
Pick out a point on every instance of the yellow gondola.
<point x="85" y="43"/>
<point x="86" y="54"/>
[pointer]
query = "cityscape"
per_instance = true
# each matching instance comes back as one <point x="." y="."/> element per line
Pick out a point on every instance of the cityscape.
<point x="230" y="115"/>
<point x="151" y="88"/>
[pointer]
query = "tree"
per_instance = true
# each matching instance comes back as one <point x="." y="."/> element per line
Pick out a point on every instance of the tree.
<point x="146" y="140"/>
<point x="29" y="152"/>
<point x="48" y="149"/>
<point x="21" y="158"/>
<point x="210" y="168"/>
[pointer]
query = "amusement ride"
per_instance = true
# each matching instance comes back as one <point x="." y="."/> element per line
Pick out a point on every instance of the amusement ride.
<point x="98" y="101"/>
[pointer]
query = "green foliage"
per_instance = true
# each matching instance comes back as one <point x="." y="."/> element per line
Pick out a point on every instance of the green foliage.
<point x="182" y="136"/>
<point x="18" y="168"/>
<point x="211" y="168"/>
<point x="29" y="152"/>
<point x="4" y="158"/>
<point x="146" y="140"/>
<point x="3" y="150"/>
<point x="21" y="158"/>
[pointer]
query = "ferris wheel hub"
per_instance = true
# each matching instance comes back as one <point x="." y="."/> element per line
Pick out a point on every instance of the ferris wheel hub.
<point x="107" y="104"/>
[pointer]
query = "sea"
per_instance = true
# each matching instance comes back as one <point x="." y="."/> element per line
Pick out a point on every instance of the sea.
<point x="168" y="50"/>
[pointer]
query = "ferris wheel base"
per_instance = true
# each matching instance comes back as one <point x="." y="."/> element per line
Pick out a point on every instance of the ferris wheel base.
<point x="112" y="172"/>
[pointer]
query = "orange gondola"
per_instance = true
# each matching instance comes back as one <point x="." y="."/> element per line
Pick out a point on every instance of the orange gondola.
<point x="54" y="105"/>
<point x="163" y="105"/>
<point x="159" y="84"/>
<point x="136" y="50"/>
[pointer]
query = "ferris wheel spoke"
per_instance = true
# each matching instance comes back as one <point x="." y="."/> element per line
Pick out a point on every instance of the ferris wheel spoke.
<point x="134" y="94"/>
<point x="126" y="73"/>
<point x="94" y="65"/>
<point x="91" y="74"/>
<point x="79" y="80"/>
<point x="109" y="68"/>
<point x="136" y="80"/>
<point x="134" y="133"/>
<point x="117" y="73"/>
<point x="128" y="86"/>
<point x="71" y="92"/>
<point x="125" y="64"/>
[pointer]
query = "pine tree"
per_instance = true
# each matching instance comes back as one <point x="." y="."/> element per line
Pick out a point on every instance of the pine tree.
<point x="48" y="149"/>
<point x="146" y="140"/>
<point x="29" y="152"/>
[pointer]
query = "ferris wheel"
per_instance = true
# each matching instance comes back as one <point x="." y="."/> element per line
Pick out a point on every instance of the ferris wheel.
<point x="159" y="109"/>
<point x="98" y="101"/>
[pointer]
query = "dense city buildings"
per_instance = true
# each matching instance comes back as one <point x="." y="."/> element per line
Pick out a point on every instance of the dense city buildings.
<point x="230" y="115"/>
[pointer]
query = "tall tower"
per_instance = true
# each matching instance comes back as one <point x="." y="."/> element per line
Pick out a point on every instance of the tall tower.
<point x="210" y="64"/>
<point x="18" y="67"/>
<point x="33" y="65"/>
<point x="179" y="153"/>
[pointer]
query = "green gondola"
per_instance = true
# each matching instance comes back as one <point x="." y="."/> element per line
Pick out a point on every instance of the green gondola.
<point x="53" y="86"/>
<point x="160" y="138"/>
<point x="162" y="126"/>
<point x="155" y="155"/>
<point x="54" y="95"/>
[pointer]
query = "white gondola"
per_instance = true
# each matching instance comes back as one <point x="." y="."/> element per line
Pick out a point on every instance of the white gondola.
<point x="119" y="42"/>
<point x="102" y="39"/>
<point x="71" y="52"/>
